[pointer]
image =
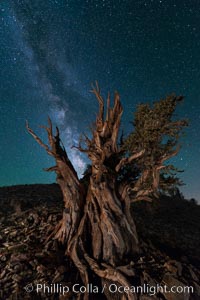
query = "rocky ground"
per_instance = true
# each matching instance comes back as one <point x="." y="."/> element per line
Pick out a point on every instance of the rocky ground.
<point x="169" y="233"/>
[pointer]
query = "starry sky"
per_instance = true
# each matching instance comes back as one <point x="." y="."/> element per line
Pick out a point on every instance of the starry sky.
<point x="51" y="51"/>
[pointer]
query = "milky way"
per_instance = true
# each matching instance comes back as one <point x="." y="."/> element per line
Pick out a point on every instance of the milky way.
<point x="51" y="52"/>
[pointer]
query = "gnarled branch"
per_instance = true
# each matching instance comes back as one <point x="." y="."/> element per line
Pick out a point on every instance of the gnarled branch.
<point x="72" y="189"/>
<point x="127" y="160"/>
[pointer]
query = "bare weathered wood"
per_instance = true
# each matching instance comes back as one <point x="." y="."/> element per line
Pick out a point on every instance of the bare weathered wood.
<point x="127" y="160"/>
<point x="113" y="233"/>
<point x="103" y="211"/>
<point x="73" y="191"/>
<point x="97" y="227"/>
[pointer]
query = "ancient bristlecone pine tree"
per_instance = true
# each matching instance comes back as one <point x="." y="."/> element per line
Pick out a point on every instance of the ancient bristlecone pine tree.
<point x="97" y="226"/>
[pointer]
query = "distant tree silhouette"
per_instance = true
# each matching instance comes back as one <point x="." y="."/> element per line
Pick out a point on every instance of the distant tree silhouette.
<point x="97" y="227"/>
<point x="193" y="201"/>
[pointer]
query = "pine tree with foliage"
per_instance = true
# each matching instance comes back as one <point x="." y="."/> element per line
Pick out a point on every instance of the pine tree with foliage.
<point x="97" y="227"/>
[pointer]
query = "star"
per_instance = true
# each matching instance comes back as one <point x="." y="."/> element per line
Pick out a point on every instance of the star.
<point x="52" y="52"/>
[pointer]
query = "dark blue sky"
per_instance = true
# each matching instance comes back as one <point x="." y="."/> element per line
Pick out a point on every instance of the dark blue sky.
<point x="52" y="50"/>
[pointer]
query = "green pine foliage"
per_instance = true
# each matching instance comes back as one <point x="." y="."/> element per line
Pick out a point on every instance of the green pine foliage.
<point x="156" y="131"/>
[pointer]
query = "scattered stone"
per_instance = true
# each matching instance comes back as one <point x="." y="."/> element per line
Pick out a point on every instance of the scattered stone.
<point x="193" y="275"/>
<point x="26" y="257"/>
<point x="171" y="282"/>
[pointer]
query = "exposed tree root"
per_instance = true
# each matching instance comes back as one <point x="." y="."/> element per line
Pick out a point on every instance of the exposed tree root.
<point x="97" y="227"/>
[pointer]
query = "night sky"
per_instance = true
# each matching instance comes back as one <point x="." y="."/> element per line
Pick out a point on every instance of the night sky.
<point x="51" y="51"/>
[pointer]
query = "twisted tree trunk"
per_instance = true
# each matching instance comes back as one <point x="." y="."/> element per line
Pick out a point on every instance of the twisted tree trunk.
<point x="97" y="226"/>
<point x="72" y="190"/>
